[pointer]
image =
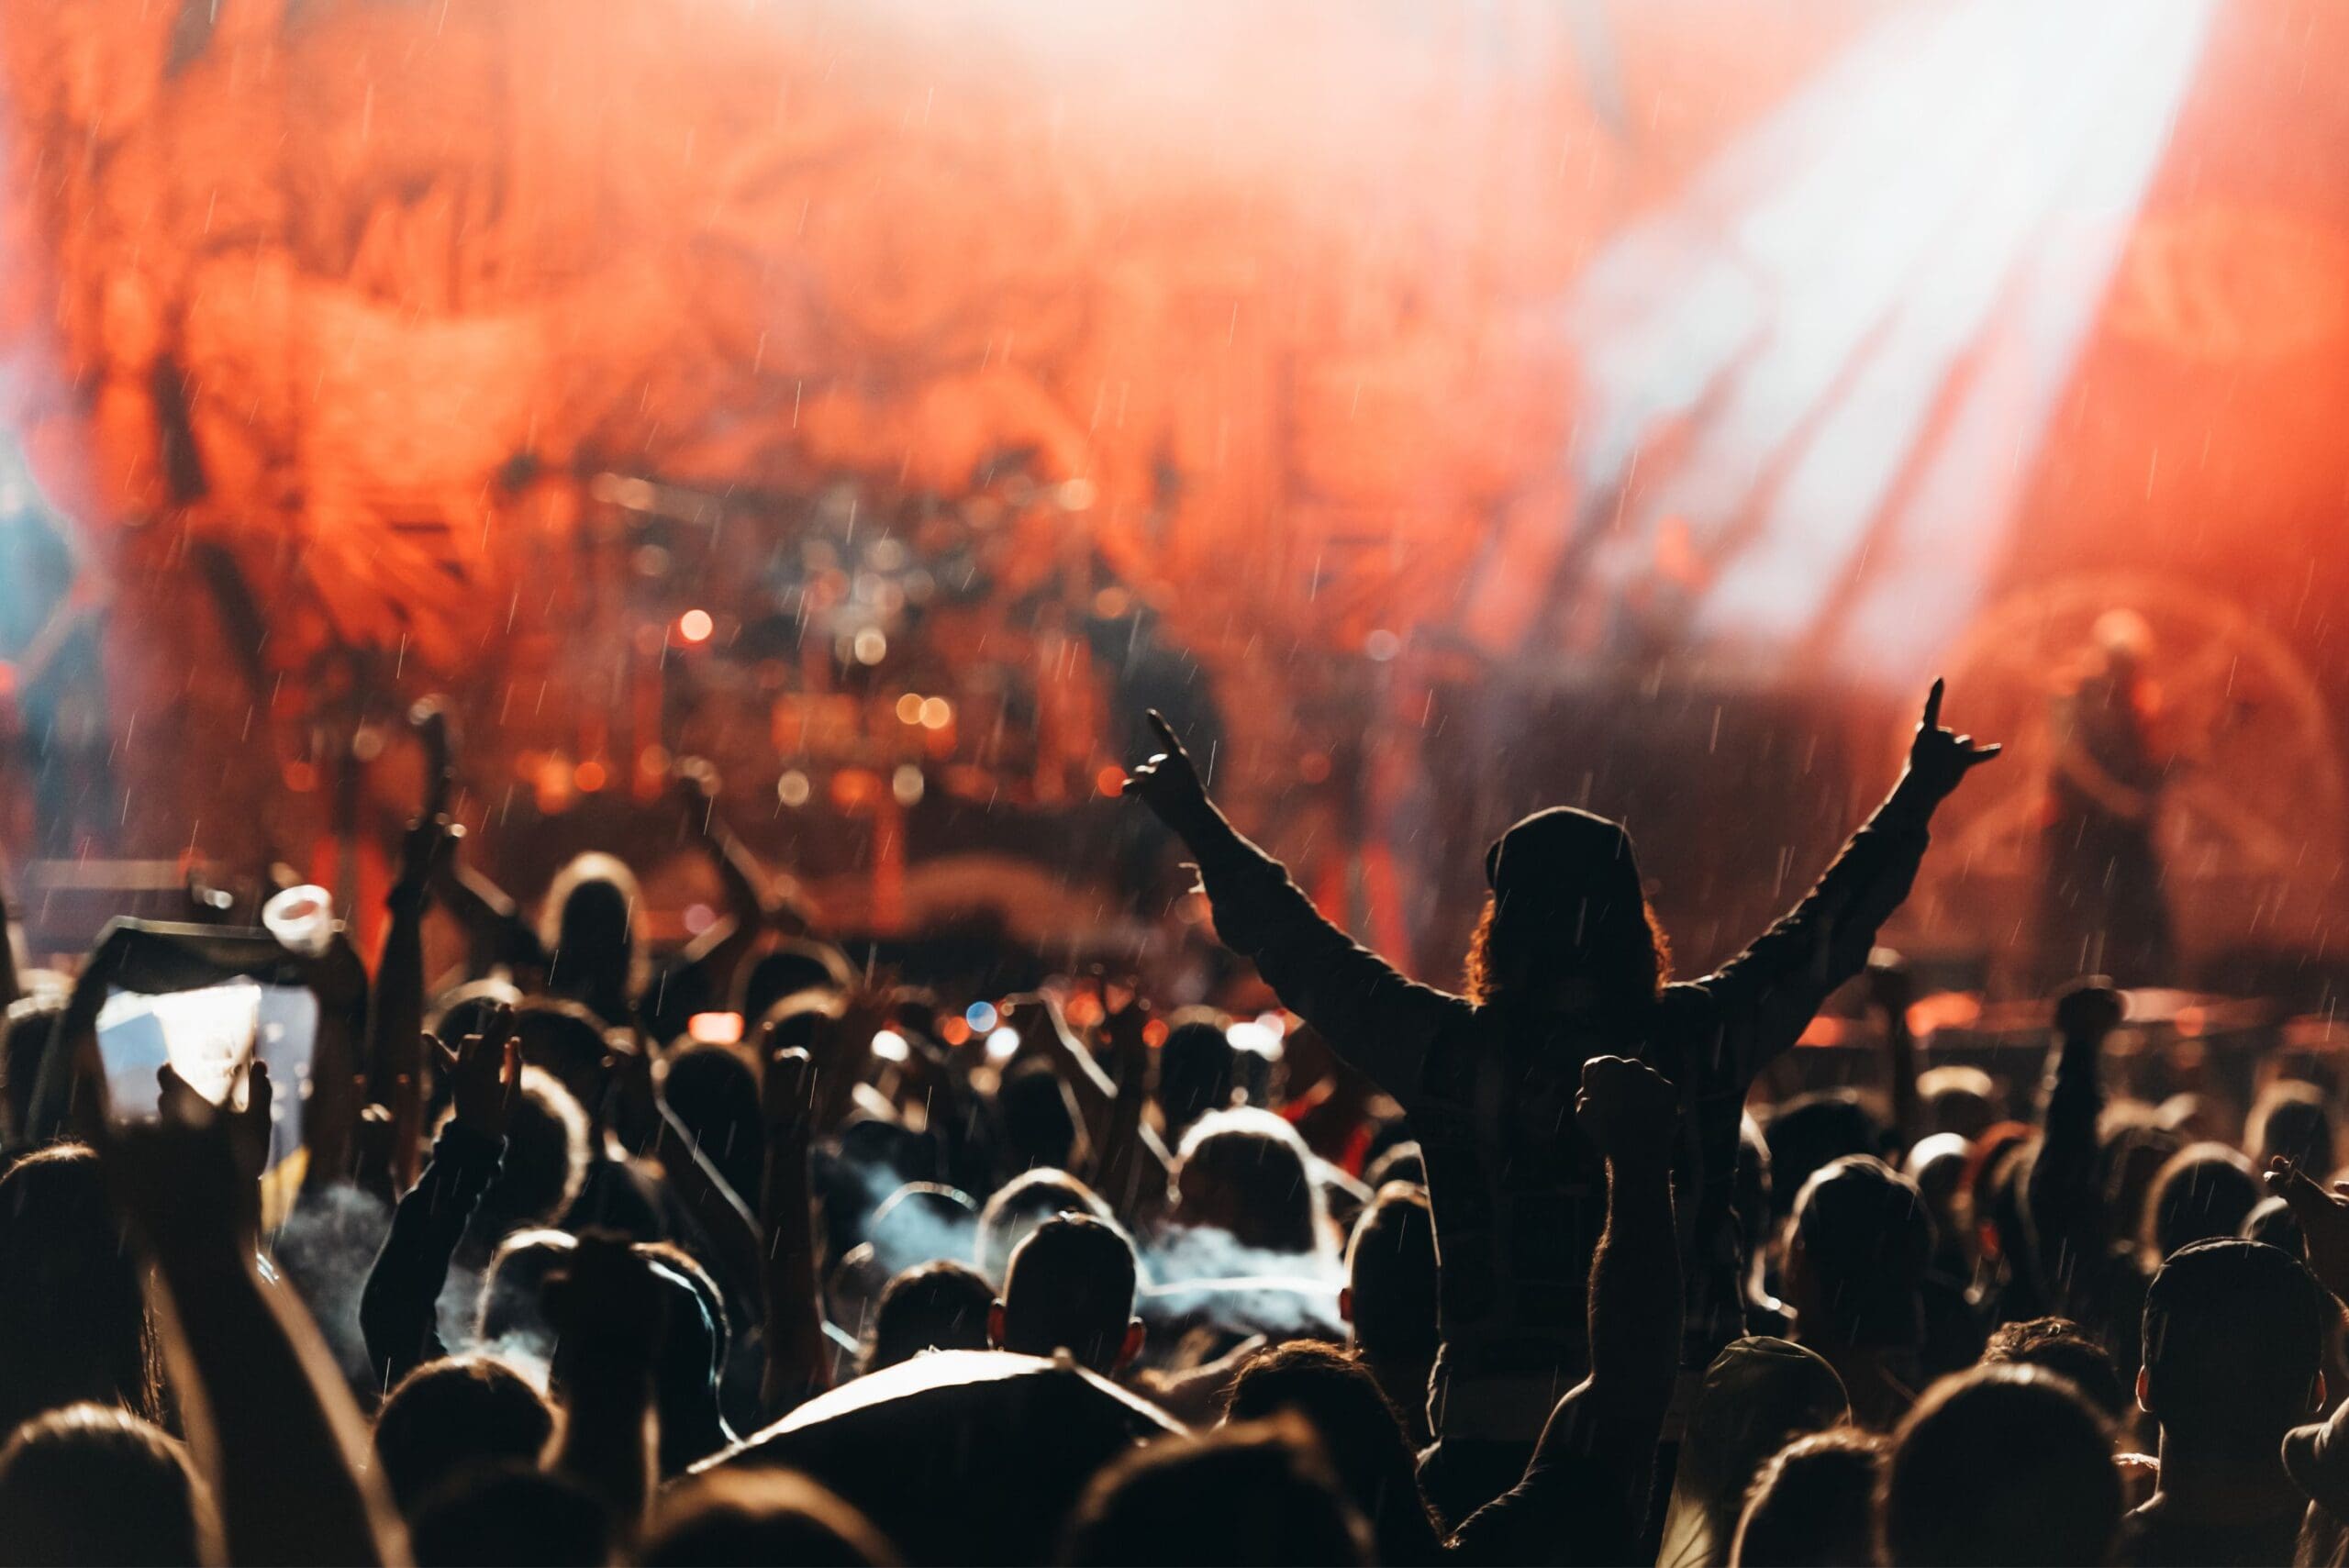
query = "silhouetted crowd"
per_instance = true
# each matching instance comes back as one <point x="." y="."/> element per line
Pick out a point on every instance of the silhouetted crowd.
<point x="748" y="1255"/>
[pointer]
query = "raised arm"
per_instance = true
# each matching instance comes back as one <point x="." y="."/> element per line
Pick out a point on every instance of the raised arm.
<point x="798" y="1355"/>
<point x="723" y="1214"/>
<point x="2323" y="1214"/>
<point x="1628" y="1111"/>
<point x="1379" y="1022"/>
<point x="1590" y="1472"/>
<point x="269" y="1420"/>
<point x="1778" y="984"/>
<point x="606" y="1310"/>
<point x="398" y="1306"/>
<point x="395" y="1014"/>
<point x="1131" y="1168"/>
<point x="1890" y="991"/>
<point x="1110" y="1107"/>
<point x="750" y="908"/>
<point x="2066" y="1210"/>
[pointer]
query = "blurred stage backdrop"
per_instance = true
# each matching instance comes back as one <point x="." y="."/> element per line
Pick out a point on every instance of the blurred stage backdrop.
<point x="1439" y="408"/>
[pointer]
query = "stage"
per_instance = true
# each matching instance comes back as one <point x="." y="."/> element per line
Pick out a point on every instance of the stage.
<point x="887" y="404"/>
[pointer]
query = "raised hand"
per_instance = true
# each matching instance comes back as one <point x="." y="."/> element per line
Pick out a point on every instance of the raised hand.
<point x="246" y="1127"/>
<point x="429" y="719"/>
<point x="2088" y="1009"/>
<point x="787" y="1096"/>
<point x="2324" y="1221"/>
<point x="1938" y="759"/>
<point x="1626" y="1109"/>
<point x="182" y="1180"/>
<point x="1125" y="1042"/>
<point x="1890" y="985"/>
<point x="839" y="1049"/>
<point x="693" y="786"/>
<point x="424" y="853"/>
<point x="483" y="1072"/>
<point x="1167" y="782"/>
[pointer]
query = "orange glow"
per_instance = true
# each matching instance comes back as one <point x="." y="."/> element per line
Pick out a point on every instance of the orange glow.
<point x="715" y="1028"/>
<point x="589" y="776"/>
<point x="1295" y="348"/>
<point x="1944" y="1011"/>
<point x="1111" y="780"/>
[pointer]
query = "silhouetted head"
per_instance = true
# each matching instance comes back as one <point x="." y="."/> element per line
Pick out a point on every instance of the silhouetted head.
<point x="2125" y="641"/>
<point x="2206" y="1190"/>
<point x="1759" y="1395"/>
<point x="512" y="1513"/>
<point x="73" y="1322"/>
<point x="685" y="1375"/>
<point x="1998" y="1465"/>
<point x="1257" y="1494"/>
<point x="512" y="1285"/>
<point x="1359" y="1431"/>
<point x="1247" y="1172"/>
<point x="2063" y="1347"/>
<point x="465" y="1009"/>
<point x="2234" y="1348"/>
<point x="686" y="1365"/>
<point x="712" y="1089"/>
<point x="455" y="1415"/>
<point x="1390" y="1291"/>
<point x="2130" y="1152"/>
<point x="1857" y="1252"/>
<point x="546" y="1161"/>
<point x="1032" y="1113"/>
<point x="1939" y="1164"/>
<point x="1812" y="1130"/>
<point x="1953" y="1098"/>
<point x="588" y="926"/>
<point x="1198" y="1067"/>
<point x="2274" y="1223"/>
<point x="1022" y="1204"/>
<point x="931" y="1306"/>
<point x="1567" y="928"/>
<point x="1405" y="1162"/>
<point x="90" y="1485"/>
<point x="789" y="968"/>
<point x="1071" y="1287"/>
<point x="2293" y="1122"/>
<point x="567" y="1039"/>
<point x="1813" y="1503"/>
<point x="739" y="1519"/>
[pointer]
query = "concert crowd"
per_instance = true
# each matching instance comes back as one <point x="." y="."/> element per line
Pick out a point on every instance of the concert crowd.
<point x="752" y="1252"/>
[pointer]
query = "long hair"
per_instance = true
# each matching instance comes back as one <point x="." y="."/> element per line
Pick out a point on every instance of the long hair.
<point x="593" y="977"/>
<point x="73" y="1318"/>
<point x="1629" y="964"/>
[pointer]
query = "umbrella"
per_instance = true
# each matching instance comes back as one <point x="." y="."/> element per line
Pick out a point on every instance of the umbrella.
<point x="961" y="1456"/>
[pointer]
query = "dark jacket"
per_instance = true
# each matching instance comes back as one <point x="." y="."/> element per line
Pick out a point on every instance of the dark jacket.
<point x="1518" y="1193"/>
